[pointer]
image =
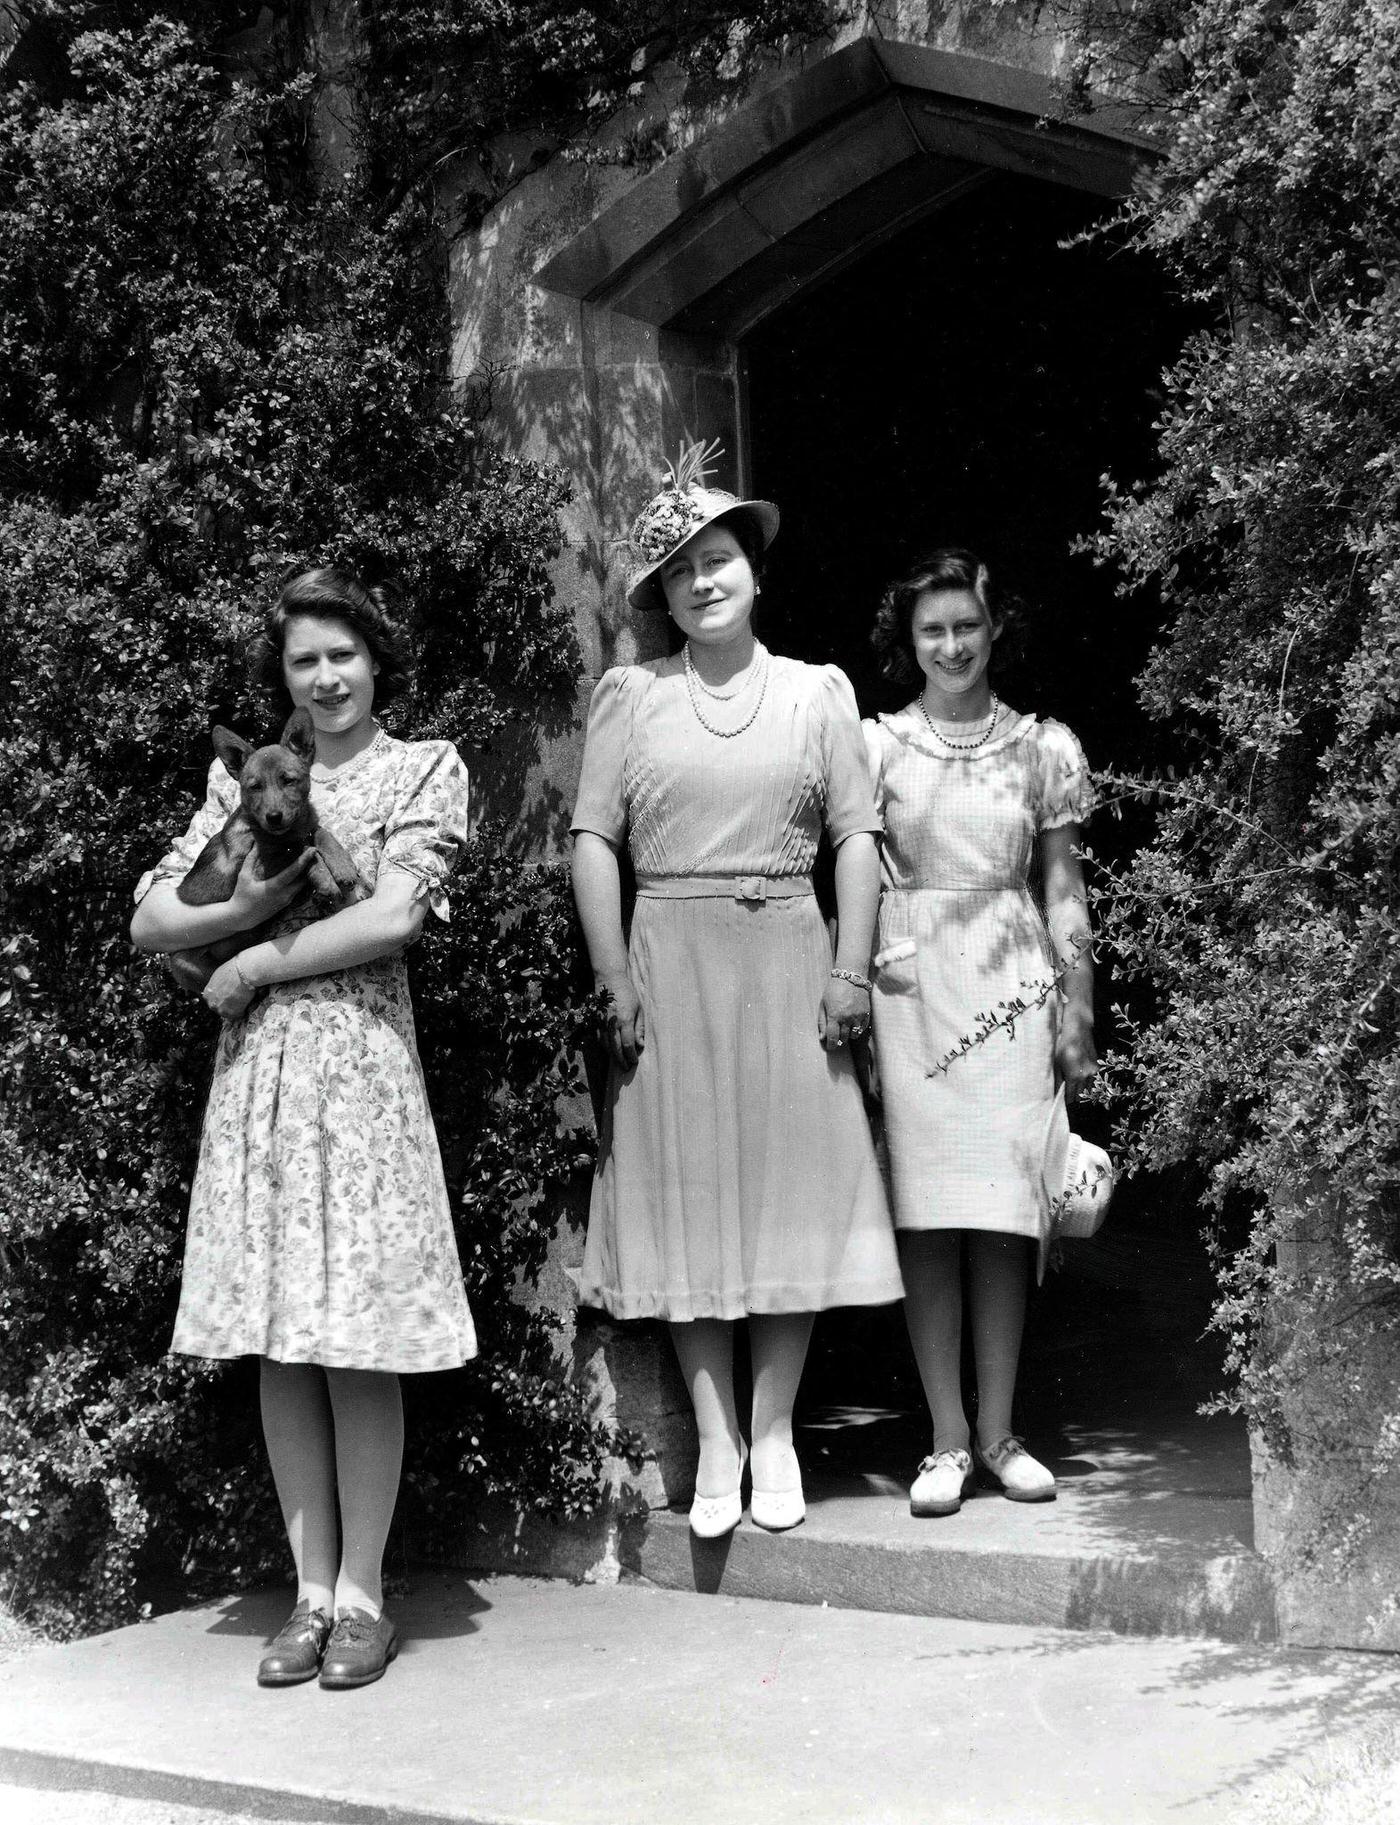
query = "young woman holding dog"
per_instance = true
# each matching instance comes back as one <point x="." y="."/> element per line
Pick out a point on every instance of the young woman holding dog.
<point x="736" y="1177"/>
<point x="970" y="791"/>
<point x="319" y="1235"/>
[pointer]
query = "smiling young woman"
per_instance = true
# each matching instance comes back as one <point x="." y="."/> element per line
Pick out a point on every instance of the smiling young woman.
<point x="319" y="1238"/>
<point x="971" y="791"/>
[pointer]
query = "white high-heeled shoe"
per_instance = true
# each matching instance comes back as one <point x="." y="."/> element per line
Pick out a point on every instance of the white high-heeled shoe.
<point x="713" y="1516"/>
<point x="776" y="1510"/>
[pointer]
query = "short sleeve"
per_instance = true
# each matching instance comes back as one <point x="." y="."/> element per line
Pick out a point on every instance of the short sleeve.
<point x="427" y="829"/>
<point x="875" y="760"/>
<point x="220" y="800"/>
<point x="850" y="799"/>
<point x="1066" y="792"/>
<point x="601" y="805"/>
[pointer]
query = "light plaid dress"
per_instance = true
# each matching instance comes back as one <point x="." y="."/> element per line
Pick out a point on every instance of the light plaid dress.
<point x="966" y="1124"/>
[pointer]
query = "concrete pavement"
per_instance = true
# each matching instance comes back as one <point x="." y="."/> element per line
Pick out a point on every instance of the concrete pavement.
<point x="523" y="1702"/>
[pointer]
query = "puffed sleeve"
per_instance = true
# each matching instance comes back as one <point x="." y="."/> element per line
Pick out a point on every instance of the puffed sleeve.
<point x="601" y="805"/>
<point x="850" y="798"/>
<point x="1066" y="789"/>
<point x="427" y="829"/>
<point x="220" y="799"/>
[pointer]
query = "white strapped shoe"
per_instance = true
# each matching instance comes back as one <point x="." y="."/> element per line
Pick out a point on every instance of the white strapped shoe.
<point x="1022" y="1477"/>
<point x="944" y="1479"/>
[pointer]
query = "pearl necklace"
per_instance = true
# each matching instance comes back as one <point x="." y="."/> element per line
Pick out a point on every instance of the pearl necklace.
<point x="332" y="776"/>
<point x="692" y="679"/>
<point x="962" y="747"/>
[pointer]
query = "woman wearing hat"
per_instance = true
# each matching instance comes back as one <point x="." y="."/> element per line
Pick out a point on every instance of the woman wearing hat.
<point x="736" y="1177"/>
<point x="977" y="1008"/>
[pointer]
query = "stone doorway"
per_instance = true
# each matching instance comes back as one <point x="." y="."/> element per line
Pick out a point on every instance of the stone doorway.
<point x="782" y="283"/>
<point x="969" y="382"/>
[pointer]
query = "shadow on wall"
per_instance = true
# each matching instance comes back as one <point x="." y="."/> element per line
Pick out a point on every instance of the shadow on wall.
<point x="514" y="783"/>
<point x="611" y="423"/>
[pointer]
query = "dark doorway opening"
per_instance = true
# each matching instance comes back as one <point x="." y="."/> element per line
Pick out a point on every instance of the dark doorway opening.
<point x="969" y="383"/>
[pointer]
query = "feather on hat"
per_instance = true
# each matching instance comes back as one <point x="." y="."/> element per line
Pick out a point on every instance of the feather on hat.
<point x="684" y="506"/>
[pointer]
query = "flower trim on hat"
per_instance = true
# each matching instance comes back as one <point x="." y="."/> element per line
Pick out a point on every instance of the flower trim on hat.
<point x="681" y="508"/>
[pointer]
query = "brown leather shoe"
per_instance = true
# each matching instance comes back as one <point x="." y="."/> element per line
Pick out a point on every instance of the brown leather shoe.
<point x="360" y="1648"/>
<point x="294" y="1654"/>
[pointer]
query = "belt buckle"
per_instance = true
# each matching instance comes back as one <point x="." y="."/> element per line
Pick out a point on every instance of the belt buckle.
<point x="751" y="887"/>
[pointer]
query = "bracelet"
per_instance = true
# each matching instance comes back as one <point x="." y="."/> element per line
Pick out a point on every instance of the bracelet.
<point x="853" y="976"/>
<point x="242" y="974"/>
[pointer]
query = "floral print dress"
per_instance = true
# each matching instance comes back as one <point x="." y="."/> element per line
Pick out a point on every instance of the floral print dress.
<point x="319" y="1229"/>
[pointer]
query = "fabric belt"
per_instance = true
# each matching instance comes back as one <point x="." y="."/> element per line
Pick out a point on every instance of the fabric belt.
<point x="748" y="887"/>
<point x="960" y="887"/>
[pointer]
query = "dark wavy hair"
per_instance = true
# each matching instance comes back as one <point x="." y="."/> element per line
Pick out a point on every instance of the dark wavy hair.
<point x="949" y="567"/>
<point x="332" y="594"/>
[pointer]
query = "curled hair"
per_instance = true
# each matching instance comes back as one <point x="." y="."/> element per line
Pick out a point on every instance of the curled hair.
<point x="331" y="594"/>
<point x="949" y="567"/>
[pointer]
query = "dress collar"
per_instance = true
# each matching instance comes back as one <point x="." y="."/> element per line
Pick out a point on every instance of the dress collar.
<point x="909" y="727"/>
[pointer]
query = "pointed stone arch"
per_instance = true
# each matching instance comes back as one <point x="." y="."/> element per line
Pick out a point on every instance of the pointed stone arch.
<point x="809" y="178"/>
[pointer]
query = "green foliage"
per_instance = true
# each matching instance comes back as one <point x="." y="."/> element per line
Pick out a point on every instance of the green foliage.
<point x="216" y="358"/>
<point x="1265" y="909"/>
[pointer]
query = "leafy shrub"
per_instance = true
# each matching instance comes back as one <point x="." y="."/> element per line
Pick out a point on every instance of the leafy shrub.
<point x="1264" y="911"/>
<point x="216" y="362"/>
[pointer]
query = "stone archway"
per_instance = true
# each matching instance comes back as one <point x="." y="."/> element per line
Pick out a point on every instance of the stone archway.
<point x="812" y="176"/>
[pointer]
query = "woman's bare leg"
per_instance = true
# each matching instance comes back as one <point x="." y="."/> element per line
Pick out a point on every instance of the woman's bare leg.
<point x="296" y="1418"/>
<point x="931" y="1261"/>
<point x="368" y="1409"/>
<point x="778" y="1346"/>
<point x="705" y="1350"/>
<point x="998" y="1282"/>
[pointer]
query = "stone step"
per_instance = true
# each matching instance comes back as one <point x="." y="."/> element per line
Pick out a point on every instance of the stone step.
<point x="1151" y="1534"/>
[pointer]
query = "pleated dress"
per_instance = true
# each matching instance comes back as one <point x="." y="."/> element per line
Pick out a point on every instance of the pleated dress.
<point x="319" y="1229"/>
<point x="736" y="1172"/>
<point x="967" y="1123"/>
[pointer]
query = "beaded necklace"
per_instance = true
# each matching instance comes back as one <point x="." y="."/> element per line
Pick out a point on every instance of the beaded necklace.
<point x="332" y="776"/>
<point x="962" y="747"/>
<point x="693" y="679"/>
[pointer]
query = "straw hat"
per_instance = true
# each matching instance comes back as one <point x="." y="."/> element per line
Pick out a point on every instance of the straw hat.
<point x="1078" y="1179"/>
<point x="683" y="507"/>
<point x="1088" y="1186"/>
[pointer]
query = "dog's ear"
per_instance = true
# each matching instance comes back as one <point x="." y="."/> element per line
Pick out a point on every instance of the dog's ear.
<point x="231" y="749"/>
<point x="300" y="735"/>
